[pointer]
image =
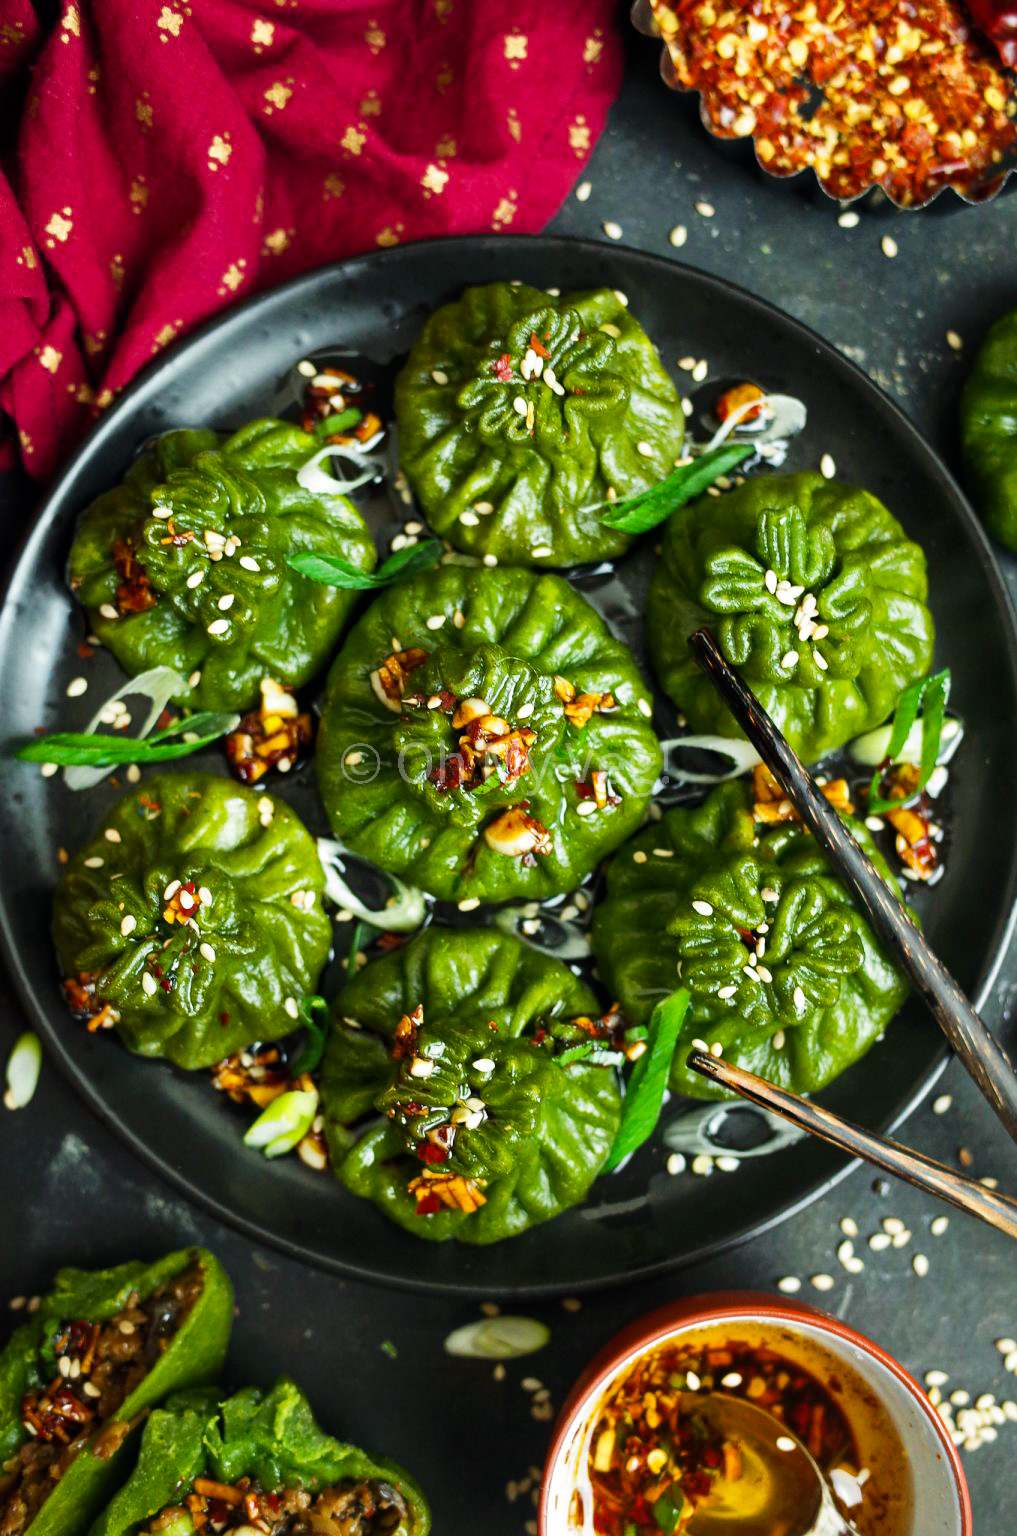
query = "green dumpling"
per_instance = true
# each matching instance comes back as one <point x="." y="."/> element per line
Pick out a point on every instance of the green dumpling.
<point x="454" y="1040"/>
<point x="484" y="736"/>
<point x="812" y="591"/>
<point x="519" y="412"/>
<point x="692" y="899"/>
<point x="184" y="563"/>
<point x="988" y="416"/>
<point x="76" y="1380"/>
<point x="194" y="914"/>
<point x="257" y="1460"/>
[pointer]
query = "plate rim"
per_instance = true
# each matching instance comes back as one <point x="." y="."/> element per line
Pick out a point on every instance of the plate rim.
<point x="92" y="445"/>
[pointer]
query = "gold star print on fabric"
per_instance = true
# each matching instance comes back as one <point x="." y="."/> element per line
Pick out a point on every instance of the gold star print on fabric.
<point x="334" y="186"/>
<point x="277" y="96"/>
<point x="506" y="210"/>
<point x="515" y="48"/>
<point x="70" y="26"/>
<point x="232" y="277"/>
<point x="375" y="37"/>
<point x="59" y="227"/>
<point x="579" y="136"/>
<point x="169" y="24"/>
<point x="50" y="358"/>
<point x="276" y="242"/>
<point x="219" y="151"/>
<point x="138" y="194"/>
<point x="143" y="111"/>
<point x="433" y="180"/>
<point x="354" y="139"/>
<point x="262" y="34"/>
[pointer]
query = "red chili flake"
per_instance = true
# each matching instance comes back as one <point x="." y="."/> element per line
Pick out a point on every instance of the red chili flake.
<point x="502" y="368"/>
<point x="224" y="1019"/>
<point x="85" y="650"/>
<point x="429" y="1205"/>
<point x="429" y="1152"/>
<point x="449" y="774"/>
<point x="166" y="718"/>
<point x="538" y="346"/>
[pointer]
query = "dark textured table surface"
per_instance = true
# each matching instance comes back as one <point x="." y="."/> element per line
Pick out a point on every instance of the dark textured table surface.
<point x="72" y="1193"/>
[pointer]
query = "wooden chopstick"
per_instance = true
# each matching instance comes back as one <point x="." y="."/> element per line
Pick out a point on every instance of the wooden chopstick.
<point x="924" y="1173"/>
<point x="977" y="1048"/>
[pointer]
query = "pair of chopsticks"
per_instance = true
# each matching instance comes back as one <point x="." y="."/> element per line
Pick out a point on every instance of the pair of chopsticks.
<point x="977" y="1048"/>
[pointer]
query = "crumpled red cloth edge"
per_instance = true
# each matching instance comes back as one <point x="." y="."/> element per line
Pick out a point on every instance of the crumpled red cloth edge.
<point x="171" y="158"/>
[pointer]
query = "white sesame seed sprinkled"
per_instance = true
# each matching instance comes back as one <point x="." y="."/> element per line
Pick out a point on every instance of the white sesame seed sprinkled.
<point x="702" y="1165"/>
<point x="290" y="1007"/>
<point x="148" y="983"/>
<point x="726" y="992"/>
<point x="49" y="769"/>
<point x="112" y="835"/>
<point x="726" y="1163"/>
<point x="989" y="1183"/>
<point x="645" y="448"/>
<point x="692" y="1381"/>
<point x="249" y="563"/>
<point x="703" y="908"/>
<point x="519" y="405"/>
<point x="770" y="581"/>
<point x="789" y="1284"/>
<point x="960" y="1398"/>
<point x="892" y="1224"/>
<point x="207" y="952"/>
<point x="1006" y="1346"/>
<point x="732" y="1379"/>
<point x="218" y="626"/>
<point x="542" y="551"/>
<point x="226" y="601"/>
<point x="439" y="375"/>
<point x="789" y="659"/>
<point x="204" y="895"/>
<point x="954" y="342"/>
<point x="306" y="368"/>
<point x="436" y="620"/>
<point x="76" y="687"/>
<point x="901" y="1239"/>
<point x="827" y="467"/>
<point x="849" y="219"/>
<point x="612" y="230"/>
<point x="678" y="236"/>
<point x="939" y="1225"/>
<point x="623" y="298"/>
<point x="763" y="973"/>
<point x="784" y="1443"/>
<point x="469" y="904"/>
<point x="639" y="857"/>
<point x="421" y="1067"/>
<point x="490" y="559"/>
<point x="586" y="808"/>
<point x="107" y="611"/>
<point x="849" y="1226"/>
<point x="645" y="708"/>
<point x="583" y="191"/>
<point x="936" y="1378"/>
<point x="133" y="774"/>
<point x="128" y="925"/>
<point x="878" y="1241"/>
<point x="700" y="371"/>
<point x="196" y="577"/>
<point x="820" y="660"/>
<point x="822" y="1282"/>
<point x="469" y="519"/>
<point x="699" y="1045"/>
<point x="889" y="246"/>
<point x="1010" y="1361"/>
<point x="716" y="1049"/>
<point x="941" y="1104"/>
<point x="778" y="1040"/>
<point x="705" y="210"/>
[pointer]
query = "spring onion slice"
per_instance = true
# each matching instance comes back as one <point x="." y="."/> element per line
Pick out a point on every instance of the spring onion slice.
<point x="741" y="754"/>
<point x="787" y="417"/>
<point x="929" y="695"/>
<point x="873" y="748"/>
<point x="284" y="1123"/>
<point x="314" y="1017"/>
<point x="337" y="422"/>
<point x="332" y="571"/>
<point x="23" y="1067"/>
<point x="316" y="480"/>
<point x="498" y="1338"/>
<point x="407" y="906"/>
<point x="645" y="1094"/>
<point x="158" y="684"/>
<point x="565" y="941"/>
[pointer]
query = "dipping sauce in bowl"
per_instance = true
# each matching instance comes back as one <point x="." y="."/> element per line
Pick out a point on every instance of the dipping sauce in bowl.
<point x="736" y="1415"/>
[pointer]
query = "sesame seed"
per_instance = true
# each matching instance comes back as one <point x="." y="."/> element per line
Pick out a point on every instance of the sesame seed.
<point x="439" y="375"/>
<point x="469" y="904"/>
<point x="878" y="1241"/>
<point x="542" y="551"/>
<point x="306" y="368"/>
<point x="789" y="1284"/>
<point x="770" y="581"/>
<point x="107" y="611"/>
<point x="623" y="298"/>
<point x="827" y="468"/>
<point x="889" y="246"/>
<point x="112" y="835"/>
<point x="675" y="1163"/>
<point x="703" y="908"/>
<point x="692" y="1381"/>
<point x="49" y="769"/>
<point x="94" y="863"/>
<point x="207" y="953"/>
<point x="226" y="601"/>
<point x="645" y="708"/>
<point x="942" y="1104"/>
<point x="799" y="999"/>
<point x="519" y="405"/>
<point x="612" y="230"/>
<point x="939" y="1225"/>
<point x="732" y="1379"/>
<point x="583" y="191"/>
<point x="822" y="1282"/>
<point x="688" y="363"/>
<point x="702" y="1166"/>
<point x="436" y="620"/>
<point x="784" y="1443"/>
<point x="954" y="342"/>
<point x="820" y="660"/>
<point x="290" y="1007"/>
<point x="726" y="1163"/>
<point x="874" y="823"/>
<point x="133" y="774"/>
<point x="789" y="659"/>
<point x="849" y="1226"/>
<point x="1006" y="1346"/>
<point x="76" y="687"/>
<point x="892" y="1224"/>
<point x="148" y="984"/>
<point x="128" y="925"/>
<point x="218" y="626"/>
<point x="639" y="857"/>
<point x="196" y="578"/>
<point x="586" y="808"/>
<point x="490" y="560"/>
<point x="645" y="448"/>
<point x="726" y="992"/>
<point x="960" y="1398"/>
<point x="249" y="563"/>
<point x="705" y="210"/>
<point x="716" y="1049"/>
<point x="936" y="1378"/>
<point x="778" y="1040"/>
<point x="700" y="371"/>
<point x="421" y="1067"/>
<point x="678" y="236"/>
<point x="849" y="219"/>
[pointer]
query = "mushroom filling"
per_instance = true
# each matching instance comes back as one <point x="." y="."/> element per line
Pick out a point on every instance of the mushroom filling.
<point x="99" y="1365"/>
<point x="350" y="1508"/>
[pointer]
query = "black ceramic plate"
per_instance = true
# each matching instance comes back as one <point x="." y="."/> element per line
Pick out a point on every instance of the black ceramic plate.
<point x="641" y="1220"/>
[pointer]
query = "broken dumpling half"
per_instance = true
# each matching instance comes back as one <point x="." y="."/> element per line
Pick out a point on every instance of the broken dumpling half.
<point x="192" y="921"/>
<point x="493" y="1079"/>
<point x="257" y="1461"/>
<point x="484" y="736"/>
<point x="521" y="413"/>
<point x="784" y="973"/>
<point x="184" y="564"/>
<point x="813" y="592"/>
<point x="78" y="1377"/>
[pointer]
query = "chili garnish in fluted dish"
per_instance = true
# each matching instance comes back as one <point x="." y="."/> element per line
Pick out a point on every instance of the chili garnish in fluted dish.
<point x="909" y="96"/>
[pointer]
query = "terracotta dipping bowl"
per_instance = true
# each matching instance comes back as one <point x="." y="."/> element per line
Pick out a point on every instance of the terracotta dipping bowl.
<point x="934" y="1485"/>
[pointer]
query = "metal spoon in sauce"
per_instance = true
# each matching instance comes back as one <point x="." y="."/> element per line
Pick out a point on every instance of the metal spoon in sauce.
<point x="778" y="1491"/>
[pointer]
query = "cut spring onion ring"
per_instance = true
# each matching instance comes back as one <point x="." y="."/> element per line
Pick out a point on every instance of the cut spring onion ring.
<point x="405" y="910"/>
<point x="740" y="754"/>
<point x="283" y="1124"/>
<point x="159" y="684"/>
<point x="784" y="416"/>
<point x="316" y="480"/>
<point x="870" y="749"/>
<point x="498" y="1338"/>
<point x="23" y="1067"/>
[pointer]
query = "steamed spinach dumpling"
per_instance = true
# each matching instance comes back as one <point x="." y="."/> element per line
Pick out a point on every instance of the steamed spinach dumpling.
<point x="484" y="737"/>
<point x="184" y="563"/>
<point x="989" y="430"/>
<point x="456" y="1041"/>
<point x="192" y="920"/>
<point x="812" y="591"/>
<point x="518" y="412"/>
<point x="783" y="969"/>
<point x="257" y="1461"/>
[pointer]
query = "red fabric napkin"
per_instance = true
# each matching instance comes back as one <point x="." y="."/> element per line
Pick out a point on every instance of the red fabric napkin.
<point x="173" y="157"/>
